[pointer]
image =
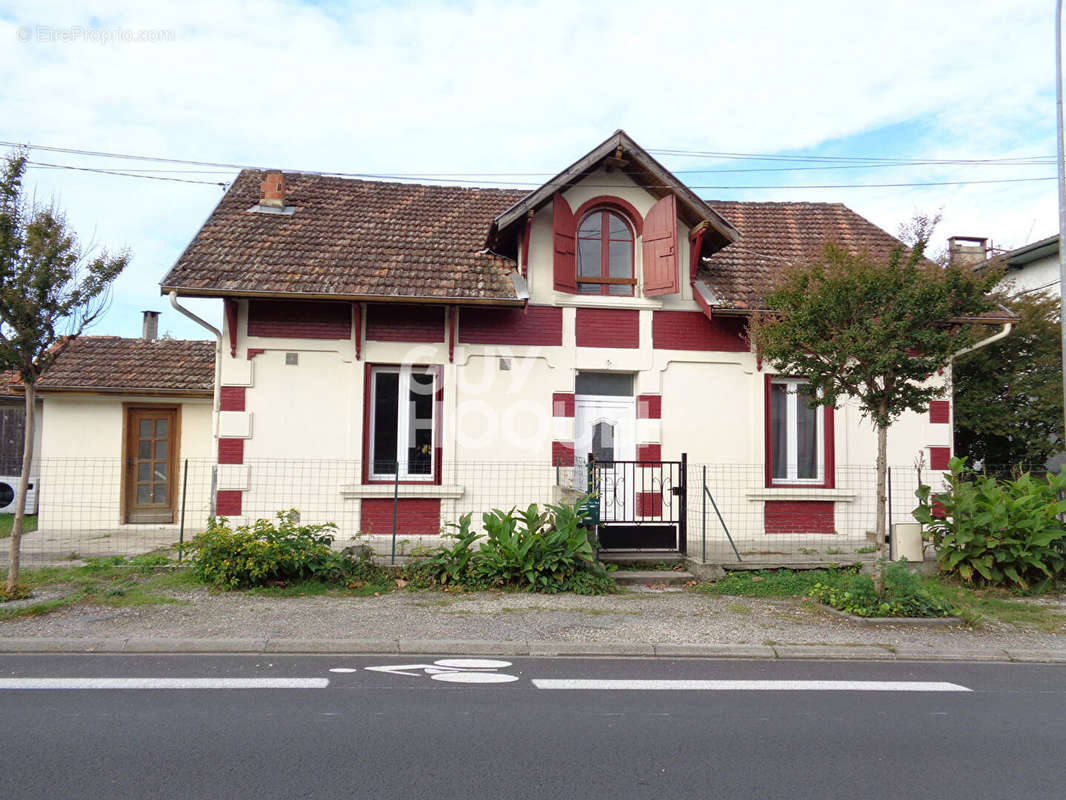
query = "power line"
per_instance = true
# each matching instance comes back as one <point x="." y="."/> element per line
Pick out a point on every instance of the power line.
<point x="124" y="174"/>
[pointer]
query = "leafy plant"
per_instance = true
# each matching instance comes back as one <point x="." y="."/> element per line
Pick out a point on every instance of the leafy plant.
<point x="997" y="532"/>
<point x="253" y="555"/>
<point x="903" y="596"/>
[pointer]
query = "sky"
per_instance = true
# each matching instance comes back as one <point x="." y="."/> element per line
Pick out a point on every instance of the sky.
<point x="517" y="91"/>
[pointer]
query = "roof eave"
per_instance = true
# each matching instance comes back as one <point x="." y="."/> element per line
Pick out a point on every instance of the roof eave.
<point x="192" y="291"/>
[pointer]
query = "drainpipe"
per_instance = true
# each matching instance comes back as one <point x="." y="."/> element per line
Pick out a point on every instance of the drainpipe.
<point x="1007" y="328"/>
<point x="218" y="357"/>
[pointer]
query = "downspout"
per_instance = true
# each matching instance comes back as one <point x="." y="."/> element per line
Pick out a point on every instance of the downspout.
<point x="1007" y="328"/>
<point x="218" y="358"/>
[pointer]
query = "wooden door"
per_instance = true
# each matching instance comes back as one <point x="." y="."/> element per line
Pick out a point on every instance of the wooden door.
<point x="151" y="459"/>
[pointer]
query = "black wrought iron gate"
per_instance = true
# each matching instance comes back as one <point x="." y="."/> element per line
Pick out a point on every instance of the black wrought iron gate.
<point x="641" y="505"/>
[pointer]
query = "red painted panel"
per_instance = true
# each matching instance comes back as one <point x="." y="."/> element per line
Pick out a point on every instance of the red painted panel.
<point x="939" y="457"/>
<point x="660" y="248"/>
<point x="401" y="323"/>
<point x="535" y="325"/>
<point x="231" y="451"/>
<point x="650" y="406"/>
<point x="231" y="325"/>
<point x="562" y="454"/>
<point x="564" y="235"/>
<point x="299" y="319"/>
<point x="940" y="411"/>
<point x="799" y="516"/>
<point x="695" y="247"/>
<point x="691" y="330"/>
<point x="414" y="516"/>
<point x="228" y="503"/>
<point x="255" y="351"/>
<point x="649" y="452"/>
<point x="608" y="327"/>
<point x="649" y="504"/>
<point x="562" y="405"/>
<point x="231" y="398"/>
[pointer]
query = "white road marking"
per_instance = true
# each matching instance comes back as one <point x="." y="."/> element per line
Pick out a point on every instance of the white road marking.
<point x="732" y="686"/>
<point x="474" y="677"/>
<point x="342" y="669"/>
<point x="163" y="683"/>
<point x="472" y="663"/>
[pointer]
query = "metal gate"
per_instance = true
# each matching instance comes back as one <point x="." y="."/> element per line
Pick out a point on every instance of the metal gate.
<point x="640" y="505"/>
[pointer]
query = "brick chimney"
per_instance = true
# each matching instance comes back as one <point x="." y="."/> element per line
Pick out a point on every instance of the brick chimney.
<point x="967" y="251"/>
<point x="150" y="328"/>
<point x="272" y="190"/>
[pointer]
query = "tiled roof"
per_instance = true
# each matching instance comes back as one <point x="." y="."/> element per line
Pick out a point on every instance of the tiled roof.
<point x="349" y="238"/>
<point x="773" y="235"/>
<point x="8" y="381"/>
<point x="114" y="364"/>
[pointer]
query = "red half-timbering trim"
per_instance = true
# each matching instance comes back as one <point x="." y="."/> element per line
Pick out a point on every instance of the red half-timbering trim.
<point x="828" y="441"/>
<point x="231" y="398"/>
<point x="649" y="452"/>
<point x="453" y="315"/>
<point x="538" y="325"/>
<point x="695" y="245"/>
<point x="693" y="330"/>
<point x="562" y="454"/>
<point x="231" y="451"/>
<point x="299" y="319"/>
<point x="231" y="325"/>
<point x="255" y="351"/>
<point x="527" y="232"/>
<point x="649" y="504"/>
<point x="650" y="406"/>
<point x="799" y="516"/>
<point x="562" y="404"/>
<point x="228" y="502"/>
<point x="357" y="328"/>
<point x="617" y="203"/>
<point x="438" y="426"/>
<point x="403" y="323"/>
<point x="939" y="457"/>
<point x="414" y="516"/>
<point x="608" y="327"/>
<point x="940" y="411"/>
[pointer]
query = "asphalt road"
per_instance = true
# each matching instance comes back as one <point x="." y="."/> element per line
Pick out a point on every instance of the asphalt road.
<point x="428" y="733"/>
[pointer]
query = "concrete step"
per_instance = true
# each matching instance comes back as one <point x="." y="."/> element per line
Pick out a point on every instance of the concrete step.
<point x="652" y="577"/>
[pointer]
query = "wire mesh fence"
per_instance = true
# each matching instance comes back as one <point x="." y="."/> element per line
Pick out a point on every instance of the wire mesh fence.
<point x="717" y="513"/>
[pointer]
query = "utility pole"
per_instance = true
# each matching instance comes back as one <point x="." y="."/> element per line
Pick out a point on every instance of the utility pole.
<point x="1062" y="188"/>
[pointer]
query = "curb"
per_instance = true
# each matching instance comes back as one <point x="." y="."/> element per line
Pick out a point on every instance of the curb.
<point x="780" y="652"/>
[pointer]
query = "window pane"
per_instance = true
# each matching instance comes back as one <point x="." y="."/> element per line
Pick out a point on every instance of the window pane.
<point x="420" y="434"/>
<point x="386" y="419"/>
<point x="144" y="471"/>
<point x="619" y="384"/>
<point x="161" y="448"/>
<point x="603" y="441"/>
<point x="144" y="449"/>
<point x="618" y="229"/>
<point x="621" y="259"/>
<point x="622" y="289"/>
<point x="161" y="428"/>
<point x="588" y="257"/>
<point x="779" y="430"/>
<point x="144" y="494"/>
<point x="591" y="226"/>
<point x="159" y="494"/>
<point x="807" y="446"/>
<point x="161" y="470"/>
<point x="144" y="428"/>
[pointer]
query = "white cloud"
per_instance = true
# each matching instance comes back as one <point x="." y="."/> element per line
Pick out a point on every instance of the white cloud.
<point x="526" y="87"/>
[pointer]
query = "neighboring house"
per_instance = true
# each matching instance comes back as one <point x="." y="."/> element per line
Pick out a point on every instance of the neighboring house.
<point x="1031" y="268"/>
<point x="440" y="337"/>
<point x="121" y="415"/>
<point x="13" y="438"/>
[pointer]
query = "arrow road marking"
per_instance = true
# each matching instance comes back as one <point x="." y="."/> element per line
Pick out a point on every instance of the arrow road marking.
<point x="454" y="670"/>
<point x="732" y="686"/>
<point x="164" y="683"/>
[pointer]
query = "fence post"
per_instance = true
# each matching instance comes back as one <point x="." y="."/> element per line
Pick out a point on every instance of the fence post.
<point x="184" y="493"/>
<point x="703" y="515"/>
<point x="214" y="486"/>
<point x="395" y="506"/>
<point x="889" y="532"/>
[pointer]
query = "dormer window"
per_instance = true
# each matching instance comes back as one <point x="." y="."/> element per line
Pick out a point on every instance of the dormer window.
<point x="605" y="254"/>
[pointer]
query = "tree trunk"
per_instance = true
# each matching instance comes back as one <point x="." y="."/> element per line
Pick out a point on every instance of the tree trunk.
<point x="20" y="498"/>
<point x="882" y="473"/>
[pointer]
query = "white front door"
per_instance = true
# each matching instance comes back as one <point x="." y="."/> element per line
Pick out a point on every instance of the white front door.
<point x="606" y="428"/>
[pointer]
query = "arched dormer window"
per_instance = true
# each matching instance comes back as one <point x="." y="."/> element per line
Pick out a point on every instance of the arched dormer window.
<point x="605" y="254"/>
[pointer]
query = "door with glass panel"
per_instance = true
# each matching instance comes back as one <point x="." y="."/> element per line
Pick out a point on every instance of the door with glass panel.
<point x="606" y="430"/>
<point x="151" y="457"/>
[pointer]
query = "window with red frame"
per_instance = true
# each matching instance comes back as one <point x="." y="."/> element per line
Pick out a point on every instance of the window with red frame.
<point x="402" y="422"/>
<point x="796" y="435"/>
<point x="605" y="254"/>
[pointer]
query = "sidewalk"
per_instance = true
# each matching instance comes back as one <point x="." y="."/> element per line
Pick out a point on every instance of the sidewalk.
<point x="641" y="623"/>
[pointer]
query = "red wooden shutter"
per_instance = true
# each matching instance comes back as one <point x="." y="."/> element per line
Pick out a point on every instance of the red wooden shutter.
<point x="660" y="248"/>
<point x="565" y="235"/>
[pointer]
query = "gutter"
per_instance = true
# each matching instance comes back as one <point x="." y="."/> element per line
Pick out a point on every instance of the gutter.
<point x="218" y="358"/>
<point x="1007" y="328"/>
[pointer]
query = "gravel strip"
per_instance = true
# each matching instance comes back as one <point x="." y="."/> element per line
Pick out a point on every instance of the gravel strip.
<point x="662" y="618"/>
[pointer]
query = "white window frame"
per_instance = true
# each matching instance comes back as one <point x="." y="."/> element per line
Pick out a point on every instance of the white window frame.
<point x="792" y="400"/>
<point x="403" y="424"/>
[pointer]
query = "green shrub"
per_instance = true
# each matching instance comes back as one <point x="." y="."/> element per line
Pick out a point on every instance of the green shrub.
<point x="904" y="595"/>
<point x="543" y="551"/>
<point x="996" y="532"/>
<point x="257" y="554"/>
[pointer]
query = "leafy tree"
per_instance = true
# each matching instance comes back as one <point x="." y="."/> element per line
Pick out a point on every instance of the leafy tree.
<point x="1008" y="395"/>
<point x="872" y="328"/>
<point x="50" y="290"/>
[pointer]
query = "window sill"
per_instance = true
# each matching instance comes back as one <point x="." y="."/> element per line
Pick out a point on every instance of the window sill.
<point x="602" y="301"/>
<point x="801" y="493"/>
<point x="430" y="490"/>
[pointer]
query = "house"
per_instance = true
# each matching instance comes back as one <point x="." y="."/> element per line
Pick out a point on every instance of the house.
<point x="1031" y="268"/>
<point x="122" y="415"/>
<point x="12" y="441"/>
<point x="461" y="348"/>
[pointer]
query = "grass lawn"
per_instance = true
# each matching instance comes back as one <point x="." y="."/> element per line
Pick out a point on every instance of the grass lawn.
<point x="29" y="524"/>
